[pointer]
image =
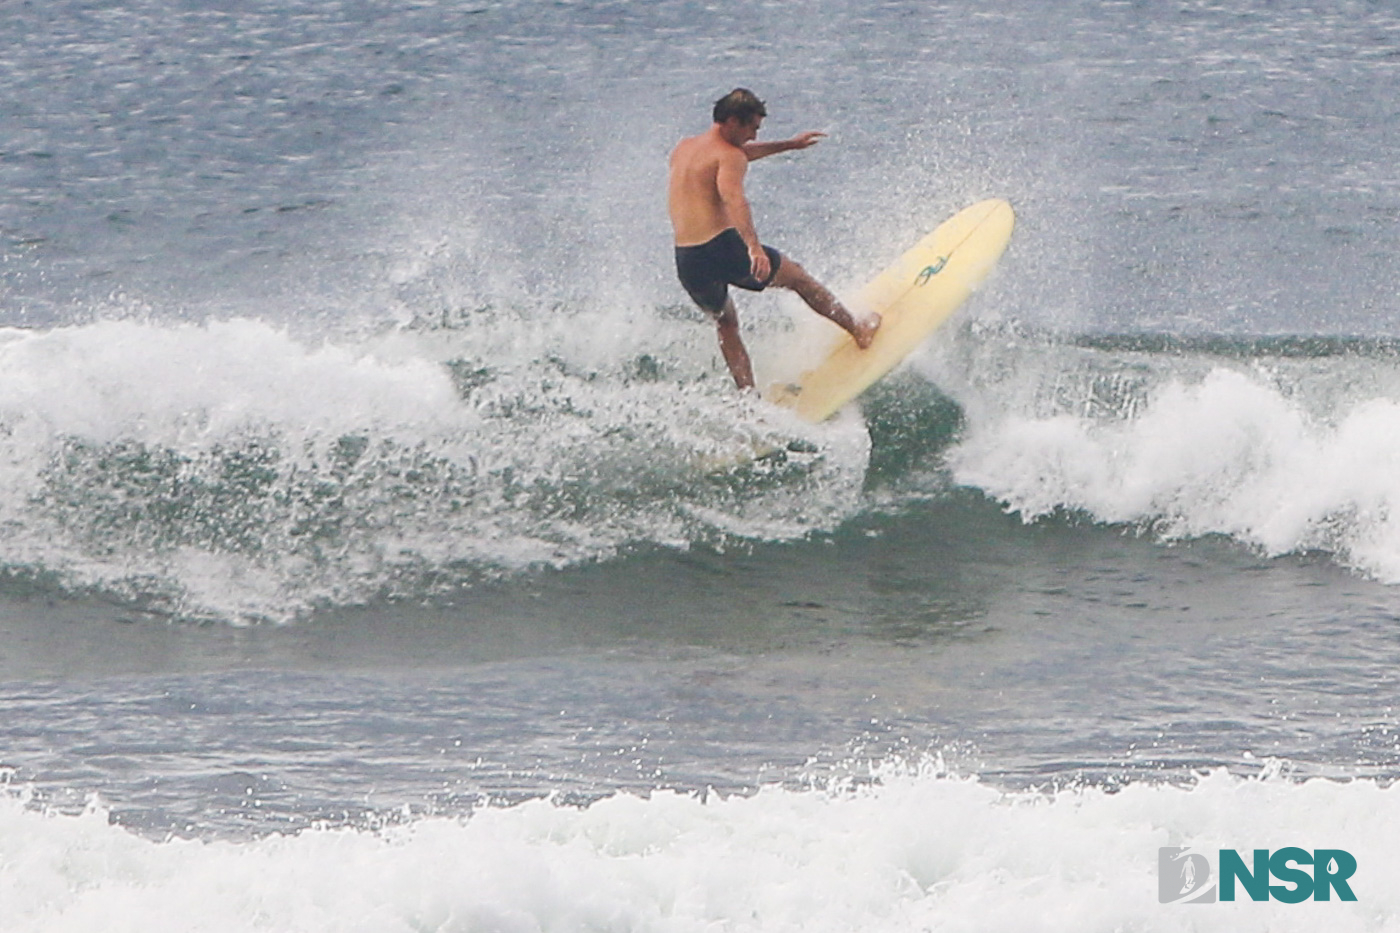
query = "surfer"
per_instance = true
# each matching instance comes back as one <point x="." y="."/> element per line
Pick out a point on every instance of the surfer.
<point x="716" y="244"/>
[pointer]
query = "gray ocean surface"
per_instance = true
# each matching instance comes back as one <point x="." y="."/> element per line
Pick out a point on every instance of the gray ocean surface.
<point x="352" y="431"/>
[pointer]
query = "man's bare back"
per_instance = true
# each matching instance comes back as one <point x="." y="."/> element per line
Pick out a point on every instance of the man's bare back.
<point x="707" y="183"/>
<point x="697" y="212"/>
<point x="716" y="244"/>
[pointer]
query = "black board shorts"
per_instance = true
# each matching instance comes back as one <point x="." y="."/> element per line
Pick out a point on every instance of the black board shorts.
<point x="707" y="270"/>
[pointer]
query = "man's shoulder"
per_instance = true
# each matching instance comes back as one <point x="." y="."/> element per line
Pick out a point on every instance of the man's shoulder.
<point x="705" y="148"/>
<point x="686" y="145"/>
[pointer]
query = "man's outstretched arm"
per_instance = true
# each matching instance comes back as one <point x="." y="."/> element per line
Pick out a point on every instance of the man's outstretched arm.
<point x="758" y="150"/>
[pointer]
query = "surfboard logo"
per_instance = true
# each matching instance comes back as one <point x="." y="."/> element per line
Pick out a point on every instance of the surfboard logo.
<point x="930" y="271"/>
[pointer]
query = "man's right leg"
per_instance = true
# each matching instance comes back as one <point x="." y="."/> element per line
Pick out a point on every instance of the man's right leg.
<point x="819" y="299"/>
<point x="732" y="346"/>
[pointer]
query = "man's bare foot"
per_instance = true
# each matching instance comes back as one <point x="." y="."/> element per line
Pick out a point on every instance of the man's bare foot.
<point x="865" y="330"/>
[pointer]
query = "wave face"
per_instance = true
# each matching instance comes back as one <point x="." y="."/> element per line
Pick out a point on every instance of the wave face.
<point x="1288" y="445"/>
<point x="233" y="471"/>
<point x="230" y="471"/>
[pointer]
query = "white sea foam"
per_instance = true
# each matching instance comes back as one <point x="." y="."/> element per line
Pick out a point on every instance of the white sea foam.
<point x="230" y="470"/>
<point x="126" y="380"/>
<point x="916" y="850"/>
<point x="1287" y="458"/>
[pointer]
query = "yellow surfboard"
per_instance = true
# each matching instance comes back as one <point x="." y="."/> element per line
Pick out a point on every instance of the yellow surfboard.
<point x="914" y="296"/>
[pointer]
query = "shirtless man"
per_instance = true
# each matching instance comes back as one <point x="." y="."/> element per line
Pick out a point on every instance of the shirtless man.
<point x="716" y="245"/>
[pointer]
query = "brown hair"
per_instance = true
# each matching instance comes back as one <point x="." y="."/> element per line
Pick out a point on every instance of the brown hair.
<point x="741" y="103"/>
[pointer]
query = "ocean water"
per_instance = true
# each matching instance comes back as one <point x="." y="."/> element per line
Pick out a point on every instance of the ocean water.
<point x="359" y="564"/>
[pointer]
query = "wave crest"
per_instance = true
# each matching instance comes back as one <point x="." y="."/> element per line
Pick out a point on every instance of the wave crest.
<point x="1287" y="454"/>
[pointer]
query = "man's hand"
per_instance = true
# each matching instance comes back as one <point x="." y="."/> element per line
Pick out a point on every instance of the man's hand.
<point x="807" y="139"/>
<point x="760" y="266"/>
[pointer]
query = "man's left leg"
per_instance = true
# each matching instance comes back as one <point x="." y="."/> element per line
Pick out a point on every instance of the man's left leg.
<point x="821" y="300"/>
<point x="731" y="345"/>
